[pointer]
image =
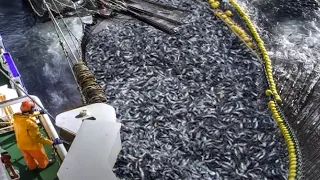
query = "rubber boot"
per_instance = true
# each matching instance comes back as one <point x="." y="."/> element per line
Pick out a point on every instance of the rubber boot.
<point x="51" y="162"/>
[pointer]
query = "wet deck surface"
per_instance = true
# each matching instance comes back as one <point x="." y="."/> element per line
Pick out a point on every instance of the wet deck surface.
<point x="8" y="142"/>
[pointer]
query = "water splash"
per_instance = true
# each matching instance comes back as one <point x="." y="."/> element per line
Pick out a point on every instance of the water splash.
<point x="56" y="67"/>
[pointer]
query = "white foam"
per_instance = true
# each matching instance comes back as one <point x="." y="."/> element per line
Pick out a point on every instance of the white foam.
<point x="296" y="41"/>
<point x="251" y="11"/>
<point x="55" y="67"/>
<point x="294" y="44"/>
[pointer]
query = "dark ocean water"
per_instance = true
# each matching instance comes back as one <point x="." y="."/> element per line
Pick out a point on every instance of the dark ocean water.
<point x="38" y="56"/>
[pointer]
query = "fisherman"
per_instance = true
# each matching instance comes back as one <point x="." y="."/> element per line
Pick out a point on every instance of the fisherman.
<point x="29" y="139"/>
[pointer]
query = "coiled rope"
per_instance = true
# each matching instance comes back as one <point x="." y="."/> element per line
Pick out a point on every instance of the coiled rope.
<point x="91" y="90"/>
<point x="295" y="162"/>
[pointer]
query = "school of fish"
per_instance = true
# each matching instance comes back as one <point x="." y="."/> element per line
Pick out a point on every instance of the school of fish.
<point x="192" y="105"/>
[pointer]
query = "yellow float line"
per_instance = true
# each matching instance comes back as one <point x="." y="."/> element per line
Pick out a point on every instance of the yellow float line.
<point x="288" y="139"/>
<point x="261" y="47"/>
<point x="248" y="42"/>
<point x="268" y="67"/>
<point x="237" y="30"/>
<point x="225" y="17"/>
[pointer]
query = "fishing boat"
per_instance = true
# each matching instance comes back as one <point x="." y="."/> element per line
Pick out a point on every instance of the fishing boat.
<point x="95" y="117"/>
<point x="99" y="119"/>
<point x="94" y="130"/>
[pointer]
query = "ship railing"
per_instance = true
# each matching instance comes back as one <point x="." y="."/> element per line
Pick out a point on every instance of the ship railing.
<point x="44" y="120"/>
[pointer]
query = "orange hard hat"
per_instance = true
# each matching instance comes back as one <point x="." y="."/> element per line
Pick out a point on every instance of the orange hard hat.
<point x="27" y="106"/>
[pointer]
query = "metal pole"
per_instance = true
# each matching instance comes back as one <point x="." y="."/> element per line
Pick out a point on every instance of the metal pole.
<point x="44" y="119"/>
<point x="48" y="126"/>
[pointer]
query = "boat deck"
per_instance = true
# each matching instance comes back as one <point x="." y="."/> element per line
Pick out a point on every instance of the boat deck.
<point x="8" y="142"/>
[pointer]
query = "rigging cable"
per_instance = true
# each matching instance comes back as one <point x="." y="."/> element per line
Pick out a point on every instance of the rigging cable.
<point x="42" y="108"/>
<point x="70" y="63"/>
<point x="34" y="9"/>
<point x="24" y="91"/>
<point x="59" y="29"/>
<point x="63" y="4"/>
<point x="93" y="3"/>
<point x="69" y="32"/>
<point x="89" y="88"/>
<point x="69" y="6"/>
<point x="75" y="8"/>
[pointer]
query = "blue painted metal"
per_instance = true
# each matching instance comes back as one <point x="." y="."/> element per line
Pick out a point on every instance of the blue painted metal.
<point x="12" y="66"/>
<point x="13" y="70"/>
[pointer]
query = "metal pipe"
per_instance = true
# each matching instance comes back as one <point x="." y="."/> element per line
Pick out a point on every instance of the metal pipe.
<point x="44" y="119"/>
<point x="21" y="89"/>
<point x="13" y="101"/>
<point x="8" y="127"/>
<point x="49" y="128"/>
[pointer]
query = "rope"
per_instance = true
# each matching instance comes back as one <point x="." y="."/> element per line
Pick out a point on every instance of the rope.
<point x="26" y="93"/>
<point x="34" y="9"/>
<point x="94" y="5"/>
<point x="75" y="7"/>
<point x="66" y="5"/>
<point x="69" y="63"/>
<point x="68" y="29"/>
<point x="289" y="137"/>
<point x="292" y="145"/>
<point x="261" y="47"/>
<point x="92" y="91"/>
<point x="58" y="27"/>
<point x="72" y="7"/>
<point x="244" y="37"/>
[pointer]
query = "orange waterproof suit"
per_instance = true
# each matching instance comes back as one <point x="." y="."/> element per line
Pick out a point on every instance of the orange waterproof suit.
<point x="30" y="141"/>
